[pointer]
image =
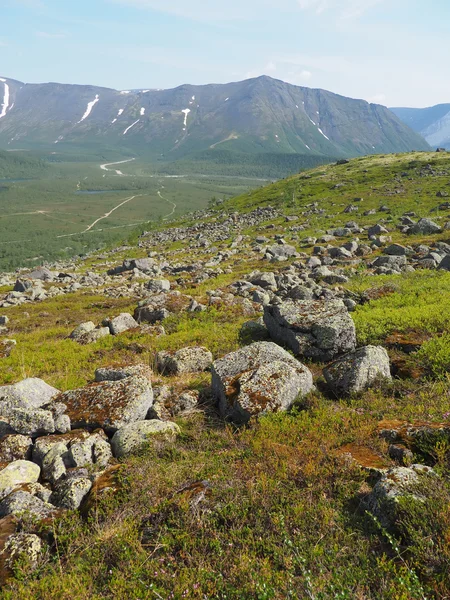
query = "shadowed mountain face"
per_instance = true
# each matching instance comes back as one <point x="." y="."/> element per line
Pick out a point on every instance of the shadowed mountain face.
<point x="256" y="116"/>
<point x="432" y="123"/>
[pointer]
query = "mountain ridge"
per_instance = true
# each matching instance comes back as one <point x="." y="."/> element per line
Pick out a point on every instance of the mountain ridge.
<point x="256" y="115"/>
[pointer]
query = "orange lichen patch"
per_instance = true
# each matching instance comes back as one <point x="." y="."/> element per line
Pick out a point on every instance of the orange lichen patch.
<point x="404" y="368"/>
<point x="379" y="292"/>
<point x="407" y="342"/>
<point x="107" y="483"/>
<point x="364" y="456"/>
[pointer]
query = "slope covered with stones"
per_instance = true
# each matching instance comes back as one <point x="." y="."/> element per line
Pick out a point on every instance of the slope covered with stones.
<point x="312" y="312"/>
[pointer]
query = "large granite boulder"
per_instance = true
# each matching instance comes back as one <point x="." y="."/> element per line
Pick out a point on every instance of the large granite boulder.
<point x="318" y="330"/>
<point x="357" y="370"/>
<point x="109" y="404"/>
<point x="257" y="379"/>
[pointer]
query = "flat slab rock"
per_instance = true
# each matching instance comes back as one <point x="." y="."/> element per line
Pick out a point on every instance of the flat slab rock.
<point x="109" y="404"/>
<point x="257" y="379"/>
<point x="319" y="330"/>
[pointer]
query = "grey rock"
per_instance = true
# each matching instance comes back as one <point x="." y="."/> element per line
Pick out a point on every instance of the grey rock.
<point x="28" y="393"/>
<point x="391" y="262"/>
<point x="256" y="379"/>
<point x="109" y="404"/>
<point x="122" y="323"/>
<point x="319" y="330"/>
<point x="22" y="503"/>
<point x="136" y="436"/>
<point x="118" y="373"/>
<point x="70" y="493"/>
<point x="356" y="371"/>
<point x="186" y="360"/>
<point x="82" y="330"/>
<point x="397" y="483"/>
<point x="158" y="285"/>
<point x="15" y="447"/>
<point x="424" y="227"/>
<point x="17" y="473"/>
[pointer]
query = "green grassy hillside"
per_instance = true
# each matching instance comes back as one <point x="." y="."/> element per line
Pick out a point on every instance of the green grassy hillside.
<point x="275" y="509"/>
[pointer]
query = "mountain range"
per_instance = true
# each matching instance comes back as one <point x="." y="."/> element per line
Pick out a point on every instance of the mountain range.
<point x="258" y="116"/>
<point x="433" y="123"/>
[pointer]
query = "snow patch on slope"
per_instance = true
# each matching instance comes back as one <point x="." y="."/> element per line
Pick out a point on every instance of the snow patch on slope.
<point x="186" y="111"/>
<point x="118" y="115"/>
<point x="89" y="108"/>
<point x="128" y="128"/>
<point x="5" y="104"/>
<point x="325" y="136"/>
<point x="142" y="111"/>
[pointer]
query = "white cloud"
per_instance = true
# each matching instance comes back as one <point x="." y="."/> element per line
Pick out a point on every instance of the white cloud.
<point x="378" y="99"/>
<point x="51" y="36"/>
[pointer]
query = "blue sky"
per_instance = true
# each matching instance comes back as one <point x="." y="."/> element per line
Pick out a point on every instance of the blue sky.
<point x="394" y="52"/>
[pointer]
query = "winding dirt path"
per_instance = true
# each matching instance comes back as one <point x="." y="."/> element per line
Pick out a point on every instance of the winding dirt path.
<point x="174" y="206"/>
<point x="120" y="162"/>
<point x="105" y="216"/>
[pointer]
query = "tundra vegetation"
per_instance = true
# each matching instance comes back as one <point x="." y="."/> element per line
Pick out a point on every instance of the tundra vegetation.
<point x="342" y="494"/>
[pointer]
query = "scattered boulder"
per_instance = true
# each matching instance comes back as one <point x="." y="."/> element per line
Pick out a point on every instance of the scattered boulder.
<point x="424" y="227"/>
<point x="70" y="493"/>
<point x="318" y="330"/>
<point x="16" y="473"/>
<point x="136" y="436"/>
<point x="118" y="373"/>
<point x="22" y="503"/>
<point x="109" y="404"/>
<point x="158" y="285"/>
<point x="187" y="360"/>
<point x="28" y="393"/>
<point x="395" y="484"/>
<point x="82" y="329"/>
<point x="15" y="447"/>
<point x="256" y="379"/>
<point x="122" y="323"/>
<point x="357" y="370"/>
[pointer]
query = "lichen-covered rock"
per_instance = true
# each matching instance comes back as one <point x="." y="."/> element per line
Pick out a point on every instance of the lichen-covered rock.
<point x="20" y="548"/>
<point x="29" y="393"/>
<point x="187" y="401"/>
<point x="70" y="493"/>
<point x="15" y="447"/>
<point x="256" y="379"/>
<point x="395" y="484"/>
<point x="54" y="466"/>
<point x="132" y="438"/>
<point x="117" y="373"/>
<point x="93" y="336"/>
<point x="16" y="473"/>
<point x="187" y="360"/>
<point x="82" y="330"/>
<point x="94" y="450"/>
<point x="109" y="404"/>
<point x="22" y="503"/>
<point x="158" y="285"/>
<point x="122" y="323"/>
<point x="318" y="330"/>
<point x="357" y="370"/>
<point x="30" y="422"/>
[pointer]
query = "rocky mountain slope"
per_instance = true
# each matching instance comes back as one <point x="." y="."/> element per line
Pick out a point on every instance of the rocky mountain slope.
<point x="432" y="123"/>
<point x="255" y="116"/>
<point x="252" y="402"/>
